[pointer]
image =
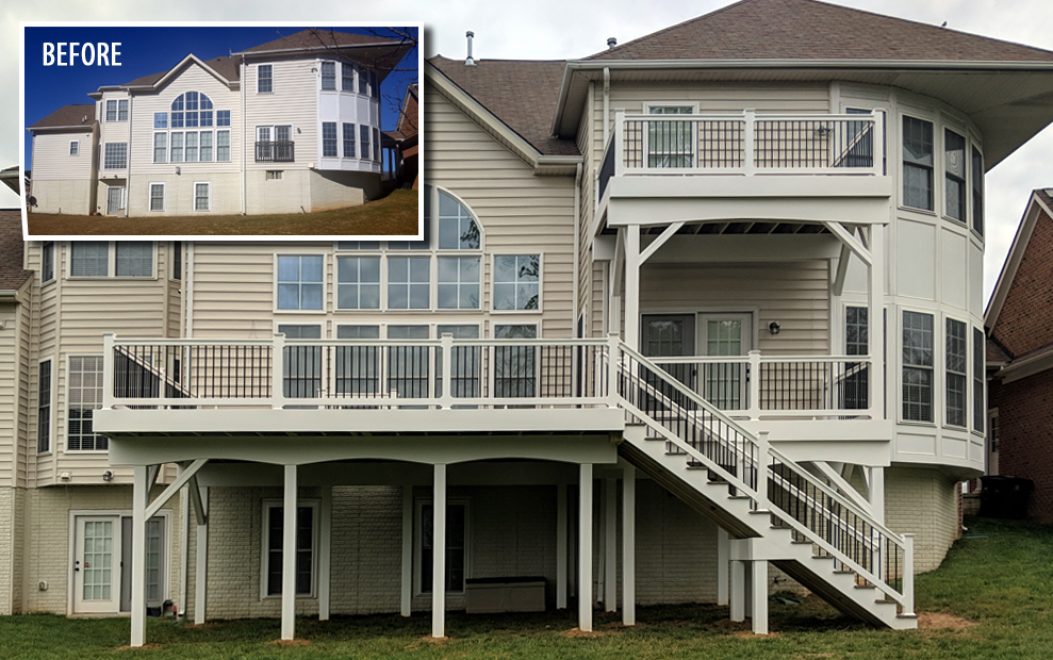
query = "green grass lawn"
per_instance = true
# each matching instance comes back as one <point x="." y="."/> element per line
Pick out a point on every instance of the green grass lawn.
<point x="395" y="214"/>
<point x="992" y="598"/>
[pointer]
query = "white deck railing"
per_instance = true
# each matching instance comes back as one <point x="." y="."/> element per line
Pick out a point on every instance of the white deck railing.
<point x="746" y="144"/>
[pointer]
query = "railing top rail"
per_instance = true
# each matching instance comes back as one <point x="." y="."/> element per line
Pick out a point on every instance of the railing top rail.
<point x="759" y="116"/>
<point x="764" y="359"/>
<point x="122" y="342"/>
<point x="162" y="341"/>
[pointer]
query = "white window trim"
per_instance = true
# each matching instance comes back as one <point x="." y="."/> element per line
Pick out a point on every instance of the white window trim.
<point x="943" y="127"/>
<point x="432" y="284"/>
<point x="149" y="196"/>
<point x="325" y="284"/>
<point x="53" y="401"/>
<point x="267" y="505"/>
<point x="465" y="254"/>
<point x="418" y="541"/>
<point x="336" y="77"/>
<point x="434" y="224"/>
<point x="968" y="407"/>
<point x="973" y="143"/>
<point x="127" y="156"/>
<point x="338" y="138"/>
<point x="111" y="266"/>
<point x="381" y="281"/>
<point x="193" y="198"/>
<point x="44" y="246"/>
<point x="937" y="160"/>
<point x="540" y="284"/>
<point x="74" y="144"/>
<point x="971" y="379"/>
<point x="271" y="67"/>
<point x="937" y="378"/>
<point x="65" y="411"/>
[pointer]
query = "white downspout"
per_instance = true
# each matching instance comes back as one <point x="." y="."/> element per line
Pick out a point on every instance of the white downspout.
<point x="128" y="174"/>
<point x="577" y="247"/>
<point x="606" y="104"/>
<point x="188" y="291"/>
<point x="244" y="123"/>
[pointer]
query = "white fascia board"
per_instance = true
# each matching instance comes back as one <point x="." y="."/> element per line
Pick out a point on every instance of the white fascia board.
<point x="1028" y="365"/>
<point x="1012" y="261"/>
<point x="191" y="58"/>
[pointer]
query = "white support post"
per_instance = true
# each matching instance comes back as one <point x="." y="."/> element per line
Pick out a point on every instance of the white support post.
<point x="738" y="591"/>
<point x="878" y="148"/>
<point x="908" y="575"/>
<point x="610" y="545"/>
<point x="629" y="545"/>
<point x="749" y="164"/>
<point x="614" y="361"/>
<point x="619" y="141"/>
<point x="632" y="286"/>
<point x="406" y="599"/>
<point x="278" y="371"/>
<point x="585" y="548"/>
<point x="876" y="492"/>
<point x="438" y="553"/>
<point x="140" y="488"/>
<point x="446" y="400"/>
<point x="107" y="370"/>
<point x="203" y="509"/>
<point x="561" y="547"/>
<point x="289" y="506"/>
<point x="722" y="566"/>
<point x="759" y="596"/>
<point x="325" y="540"/>
<point x="184" y="552"/>
<point x="754" y="403"/>
<point x="763" y="461"/>
<point x="876" y="313"/>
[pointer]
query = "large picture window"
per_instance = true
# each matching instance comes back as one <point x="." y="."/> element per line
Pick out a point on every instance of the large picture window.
<point x="458" y="283"/>
<point x="191" y="133"/>
<point x="306" y="532"/>
<point x="115" y="156"/>
<point x="917" y="367"/>
<point x="89" y="259"/>
<point x="515" y="366"/>
<point x="300" y="282"/>
<point x="134" y="259"/>
<point x="85" y="397"/>
<point x="358" y="283"/>
<point x="409" y="282"/>
<point x="917" y="163"/>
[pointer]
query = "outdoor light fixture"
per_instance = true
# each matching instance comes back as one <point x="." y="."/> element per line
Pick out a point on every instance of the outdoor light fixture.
<point x="774" y="327"/>
<point x="107" y="476"/>
<point x="178" y="170"/>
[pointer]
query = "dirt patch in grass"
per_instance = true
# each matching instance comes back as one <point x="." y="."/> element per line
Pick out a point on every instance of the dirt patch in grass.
<point x="291" y="642"/>
<point x="578" y="633"/>
<point x="943" y="621"/>
<point x="144" y="647"/>
<point x="394" y="215"/>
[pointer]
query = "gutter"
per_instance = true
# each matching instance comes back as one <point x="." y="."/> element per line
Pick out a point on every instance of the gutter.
<point x="574" y="66"/>
<point x="307" y="49"/>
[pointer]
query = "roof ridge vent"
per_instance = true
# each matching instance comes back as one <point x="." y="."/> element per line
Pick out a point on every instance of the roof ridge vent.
<point x="469" y="61"/>
<point x="612" y="42"/>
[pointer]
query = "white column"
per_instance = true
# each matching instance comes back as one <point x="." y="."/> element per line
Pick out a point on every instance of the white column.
<point x="876" y="492"/>
<point x="879" y="371"/>
<point x="629" y="546"/>
<point x="759" y="596"/>
<point x="610" y="546"/>
<point x="738" y="591"/>
<point x="632" y="286"/>
<point x="289" y="504"/>
<point x="184" y="550"/>
<point x="722" y="566"/>
<point x="561" y="547"/>
<point x="406" y="600"/>
<point x="438" y="553"/>
<point x="201" y="559"/>
<point x="585" y="548"/>
<point x="325" y="541"/>
<point x="140" y="494"/>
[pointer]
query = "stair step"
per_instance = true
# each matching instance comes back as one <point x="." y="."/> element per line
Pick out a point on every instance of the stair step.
<point x="864" y="586"/>
<point x="906" y="616"/>
<point x="755" y="512"/>
<point x="744" y="497"/>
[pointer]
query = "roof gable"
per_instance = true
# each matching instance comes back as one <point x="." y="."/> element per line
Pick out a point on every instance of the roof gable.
<point x="812" y="30"/>
<point x="225" y="68"/>
<point x="12" y="255"/>
<point x="68" y="116"/>
<point x="321" y="39"/>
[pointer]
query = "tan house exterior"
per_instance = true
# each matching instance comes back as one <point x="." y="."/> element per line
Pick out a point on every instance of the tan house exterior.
<point x="637" y="359"/>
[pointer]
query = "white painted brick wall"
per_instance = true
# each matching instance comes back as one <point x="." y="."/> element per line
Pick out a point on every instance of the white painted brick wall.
<point x="923" y="502"/>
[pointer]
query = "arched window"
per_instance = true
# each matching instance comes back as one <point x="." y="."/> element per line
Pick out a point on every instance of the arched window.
<point x="458" y="229"/>
<point x="191" y="109"/>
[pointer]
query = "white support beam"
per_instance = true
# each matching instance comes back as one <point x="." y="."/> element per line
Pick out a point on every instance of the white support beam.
<point x="737" y="596"/>
<point x="152" y="472"/>
<point x="201" y="553"/>
<point x="184" y="553"/>
<point x="198" y="498"/>
<point x="629" y="545"/>
<point x="849" y="239"/>
<point x="759" y="596"/>
<point x="838" y="285"/>
<point x="876" y="492"/>
<point x="585" y="548"/>
<point x="325" y="540"/>
<point x="561" y="547"/>
<point x="184" y="476"/>
<point x="438" y="553"/>
<point x="839" y="482"/>
<point x="632" y="286"/>
<point x="140" y="492"/>
<point x="610" y="545"/>
<point x="289" y="509"/>
<point x="722" y="566"/>
<point x="879" y="371"/>
<point x="406" y="598"/>
<point x="657" y="243"/>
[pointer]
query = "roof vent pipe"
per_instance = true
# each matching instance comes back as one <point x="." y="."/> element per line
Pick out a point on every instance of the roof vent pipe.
<point x="612" y="42"/>
<point x="469" y="61"/>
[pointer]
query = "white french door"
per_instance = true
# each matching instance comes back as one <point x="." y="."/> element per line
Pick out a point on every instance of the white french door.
<point x="114" y="200"/>
<point x="97" y="564"/>
<point x="725" y="335"/>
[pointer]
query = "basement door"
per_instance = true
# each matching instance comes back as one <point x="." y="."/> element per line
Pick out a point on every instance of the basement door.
<point x="114" y="200"/>
<point x="102" y="563"/>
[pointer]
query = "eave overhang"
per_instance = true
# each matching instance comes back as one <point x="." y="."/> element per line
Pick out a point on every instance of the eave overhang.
<point x="1008" y="101"/>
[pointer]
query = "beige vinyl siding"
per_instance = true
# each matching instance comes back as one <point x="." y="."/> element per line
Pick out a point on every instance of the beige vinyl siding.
<point x="62" y="183"/>
<point x="294" y="101"/>
<point x="793" y="293"/>
<point x="520" y="212"/>
<point x="26" y="397"/>
<point x="586" y="301"/>
<point x="9" y="396"/>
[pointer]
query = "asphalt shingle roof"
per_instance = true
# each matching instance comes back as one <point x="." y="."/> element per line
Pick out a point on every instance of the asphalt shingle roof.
<point x="80" y="114"/>
<point x="12" y="275"/>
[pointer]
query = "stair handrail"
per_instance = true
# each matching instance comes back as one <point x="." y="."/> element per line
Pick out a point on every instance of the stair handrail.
<point x="762" y="468"/>
<point x="162" y="376"/>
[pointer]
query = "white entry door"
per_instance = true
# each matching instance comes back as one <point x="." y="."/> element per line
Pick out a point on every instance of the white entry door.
<point x="724" y="383"/>
<point x="114" y="200"/>
<point x="97" y="564"/>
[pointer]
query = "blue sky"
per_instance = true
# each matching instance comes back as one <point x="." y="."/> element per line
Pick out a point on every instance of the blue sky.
<point x="146" y="50"/>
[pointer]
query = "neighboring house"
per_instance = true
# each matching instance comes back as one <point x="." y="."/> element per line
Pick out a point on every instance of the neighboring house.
<point x="292" y="125"/>
<point x="1020" y="358"/>
<point x="403" y="140"/>
<point x="694" y="316"/>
